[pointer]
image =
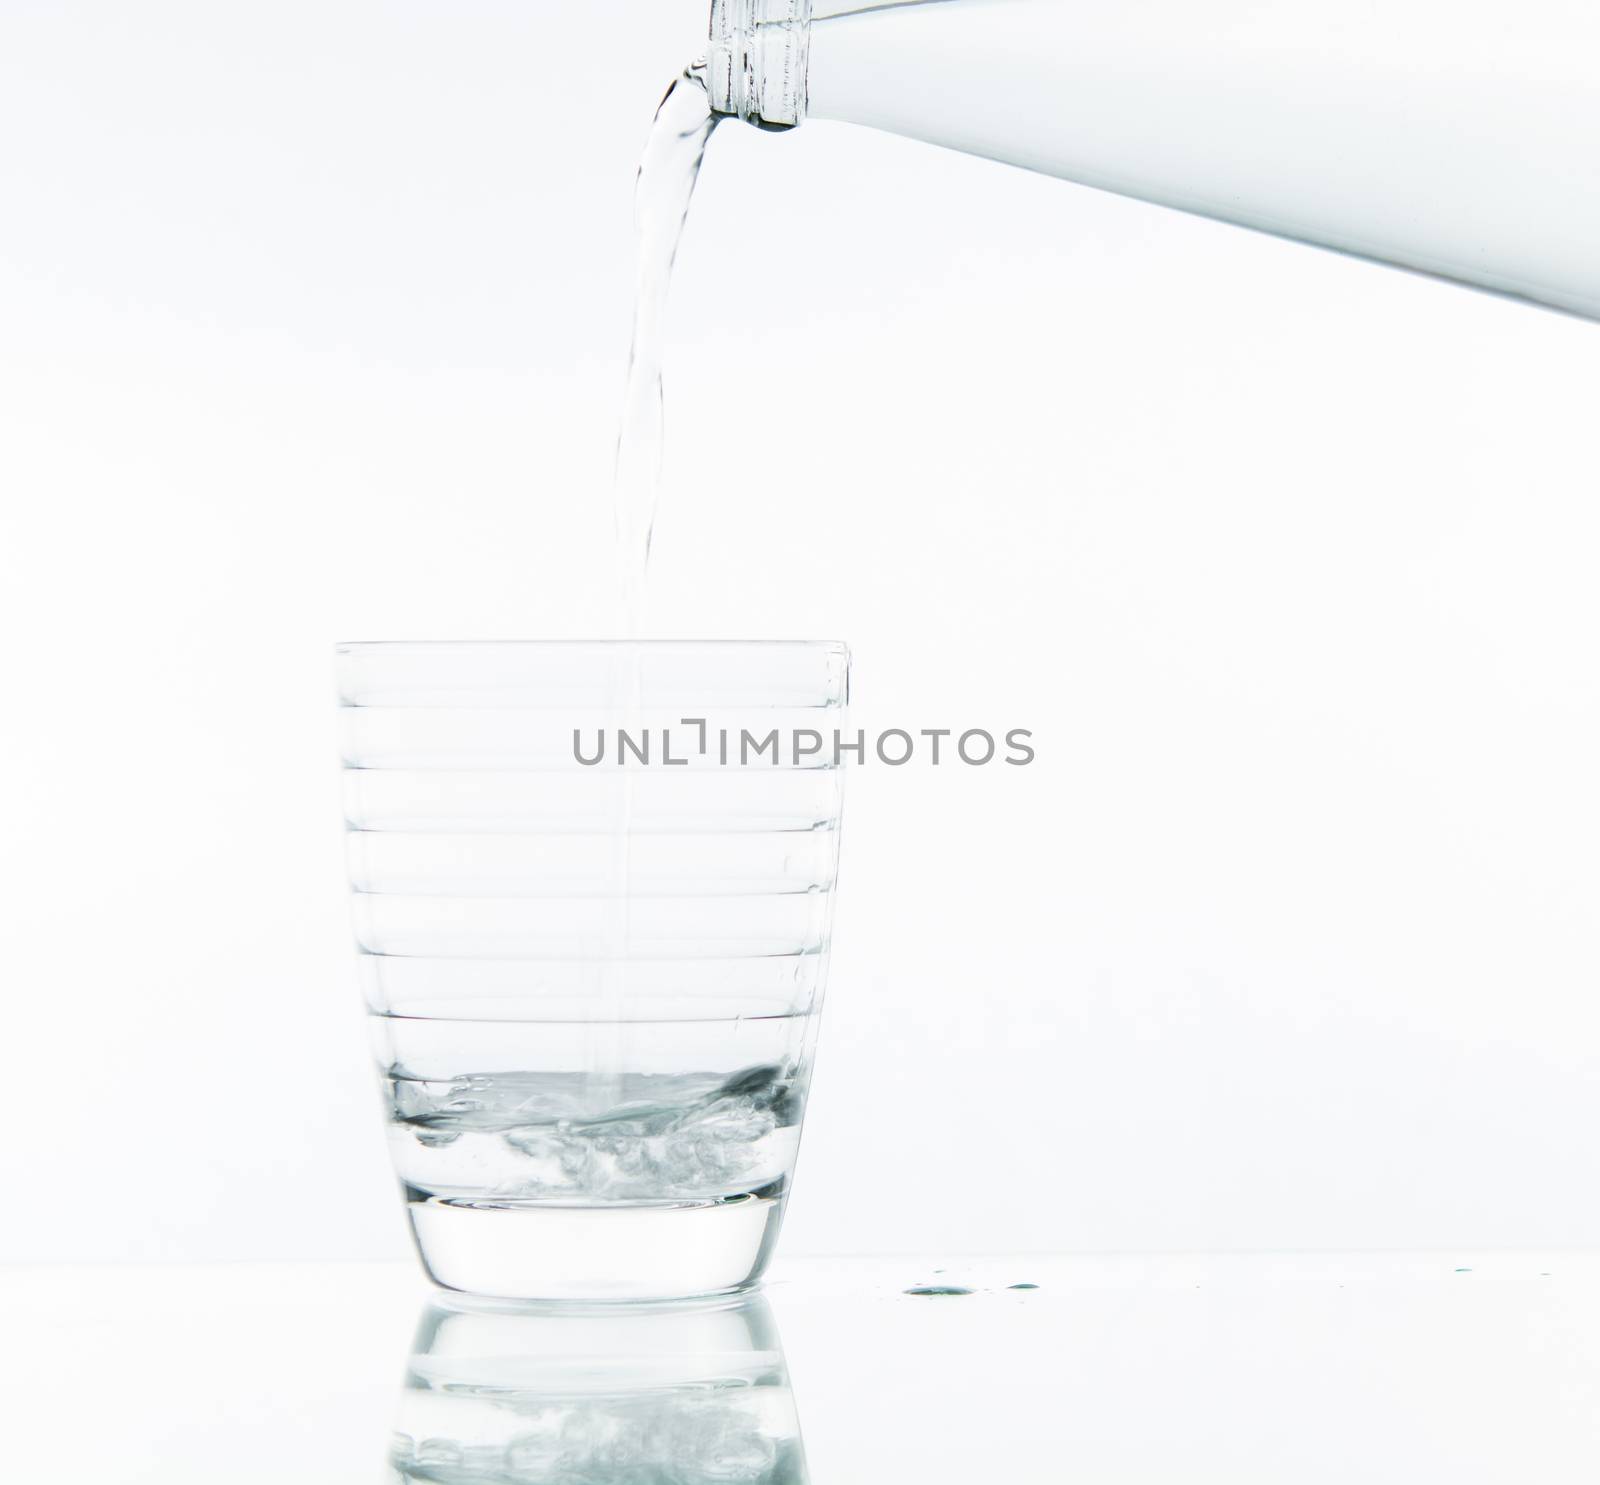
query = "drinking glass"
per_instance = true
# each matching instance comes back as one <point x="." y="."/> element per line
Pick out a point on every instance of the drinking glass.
<point x="593" y="888"/>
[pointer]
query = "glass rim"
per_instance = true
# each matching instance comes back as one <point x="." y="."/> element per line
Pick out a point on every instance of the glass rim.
<point x="510" y="674"/>
<point x="343" y="645"/>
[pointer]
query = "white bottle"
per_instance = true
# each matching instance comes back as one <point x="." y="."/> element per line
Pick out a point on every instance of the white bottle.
<point x="1456" y="137"/>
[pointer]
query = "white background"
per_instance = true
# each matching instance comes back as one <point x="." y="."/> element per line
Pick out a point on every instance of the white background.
<point x="312" y="324"/>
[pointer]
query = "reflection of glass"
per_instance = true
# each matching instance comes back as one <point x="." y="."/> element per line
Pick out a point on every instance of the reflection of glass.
<point x="650" y="1394"/>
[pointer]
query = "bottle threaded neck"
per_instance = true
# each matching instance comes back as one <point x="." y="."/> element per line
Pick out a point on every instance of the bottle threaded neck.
<point x="756" y="62"/>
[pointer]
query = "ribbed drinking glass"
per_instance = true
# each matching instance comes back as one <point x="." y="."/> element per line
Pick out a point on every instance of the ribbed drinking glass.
<point x="593" y="888"/>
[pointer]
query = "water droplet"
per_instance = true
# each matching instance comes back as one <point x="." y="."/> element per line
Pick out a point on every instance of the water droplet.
<point x="937" y="1289"/>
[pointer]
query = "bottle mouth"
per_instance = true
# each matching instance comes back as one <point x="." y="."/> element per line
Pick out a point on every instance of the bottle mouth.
<point x="756" y="61"/>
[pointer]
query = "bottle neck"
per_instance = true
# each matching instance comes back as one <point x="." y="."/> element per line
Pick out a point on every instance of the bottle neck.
<point x="756" y="62"/>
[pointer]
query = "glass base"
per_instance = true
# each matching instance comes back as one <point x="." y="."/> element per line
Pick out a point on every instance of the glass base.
<point x="618" y="1252"/>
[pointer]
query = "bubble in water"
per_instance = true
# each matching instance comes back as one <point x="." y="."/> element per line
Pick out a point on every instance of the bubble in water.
<point x="670" y="1136"/>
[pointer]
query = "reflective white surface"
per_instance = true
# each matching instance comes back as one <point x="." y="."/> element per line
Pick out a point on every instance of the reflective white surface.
<point x="1239" y="1369"/>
